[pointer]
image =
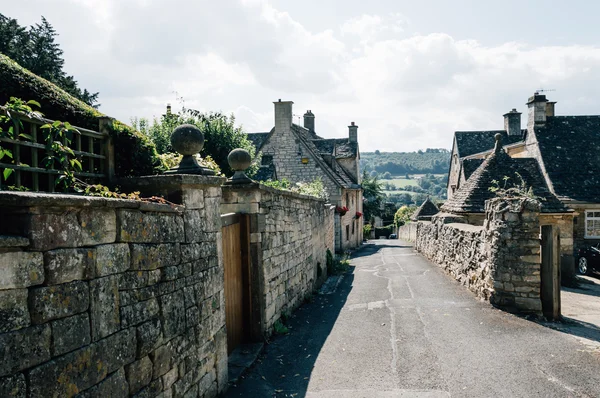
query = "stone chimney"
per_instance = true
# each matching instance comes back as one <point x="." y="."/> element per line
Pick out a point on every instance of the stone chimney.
<point x="512" y="122"/>
<point x="283" y="116"/>
<point x="353" y="132"/>
<point x="550" y="108"/>
<point x="309" y="121"/>
<point x="537" y="110"/>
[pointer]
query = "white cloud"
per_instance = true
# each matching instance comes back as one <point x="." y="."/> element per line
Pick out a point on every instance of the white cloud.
<point x="406" y="91"/>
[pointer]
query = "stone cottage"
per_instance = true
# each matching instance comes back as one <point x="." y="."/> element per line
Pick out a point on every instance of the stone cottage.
<point x="298" y="154"/>
<point x="566" y="150"/>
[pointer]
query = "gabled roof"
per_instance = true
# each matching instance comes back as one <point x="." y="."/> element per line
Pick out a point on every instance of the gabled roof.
<point x="471" y="196"/>
<point x="472" y="142"/>
<point x="341" y="148"/>
<point x="332" y="168"/>
<point x="425" y="211"/>
<point x="570" y="151"/>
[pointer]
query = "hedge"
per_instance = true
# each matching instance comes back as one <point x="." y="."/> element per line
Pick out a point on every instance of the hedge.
<point x="135" y="154"/>
<point x="384" y="231"/>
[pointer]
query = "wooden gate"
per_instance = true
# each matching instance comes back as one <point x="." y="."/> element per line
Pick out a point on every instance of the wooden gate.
<point x="235" y="235"/>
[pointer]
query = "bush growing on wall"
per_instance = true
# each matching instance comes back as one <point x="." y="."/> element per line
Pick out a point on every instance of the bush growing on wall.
<point x="135" y="154"/>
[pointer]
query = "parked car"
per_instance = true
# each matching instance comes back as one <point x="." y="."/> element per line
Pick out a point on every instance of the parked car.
<point x="588" y="259"/>
<point x="393" y="236"/>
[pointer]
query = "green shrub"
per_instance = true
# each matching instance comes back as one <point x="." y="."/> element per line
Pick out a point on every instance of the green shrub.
<point x="135" y="154"/>
<point x="280" y="328"/>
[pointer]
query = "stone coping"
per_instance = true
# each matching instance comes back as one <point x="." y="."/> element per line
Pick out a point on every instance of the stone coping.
<point x="265" y="188"/>
<point x="38" y="199"/>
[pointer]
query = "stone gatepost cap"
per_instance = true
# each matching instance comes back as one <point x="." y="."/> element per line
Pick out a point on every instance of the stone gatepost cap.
<point x="239" y="159"/>
<point x="187" y="139"/>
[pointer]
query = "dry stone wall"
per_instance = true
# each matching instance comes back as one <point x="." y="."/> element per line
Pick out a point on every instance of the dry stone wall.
<point x="290" y="235"/>
<point x="499" y="261"/>
<point x="111" y="298"/>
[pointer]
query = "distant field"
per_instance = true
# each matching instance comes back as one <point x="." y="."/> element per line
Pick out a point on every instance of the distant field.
<point x="401" y="182"/>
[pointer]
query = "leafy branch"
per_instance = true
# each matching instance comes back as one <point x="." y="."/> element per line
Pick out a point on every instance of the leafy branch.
<point x="519" y="189"/>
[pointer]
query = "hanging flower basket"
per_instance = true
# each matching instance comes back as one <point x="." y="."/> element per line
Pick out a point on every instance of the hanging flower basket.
<point x="341" y="210"/>
<point x="358" y="215"/>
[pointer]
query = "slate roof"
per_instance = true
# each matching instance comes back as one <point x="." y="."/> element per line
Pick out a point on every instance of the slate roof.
<point x="341" y="148"/>
<point x="332" y="168"/>
<point x="425" y="211"/>
<point x="570" y="151"/>
<point x="471" y="196"/>
<point x="258" y="139"/>
<point x="470" y="165"/>
<point x="472" y="142"/>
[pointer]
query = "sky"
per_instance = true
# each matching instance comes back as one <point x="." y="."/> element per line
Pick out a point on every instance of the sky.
<point x="408" y="73"/>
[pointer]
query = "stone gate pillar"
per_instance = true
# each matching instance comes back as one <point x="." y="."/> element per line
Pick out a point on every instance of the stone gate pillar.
<point x="513" y="228"/>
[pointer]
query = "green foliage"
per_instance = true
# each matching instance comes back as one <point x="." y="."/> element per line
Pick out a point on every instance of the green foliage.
<point x="329" y="259"/>
<point x="367" y="228"/>
<point x="373" y="195"/>
<point x="9" y="123"/>
<point x="313" y="188"/>
<point x="403" y="215"/>
<point x="59" y="156"/>
<point x="35" y="48"/>
<point x="135" y="154"/>
<point x="221" y="135"/>
<point x="280" y="328"/>
<point x="173" y="159"/>
<point x="433" y="160"/>
<point x="518" y="189"/>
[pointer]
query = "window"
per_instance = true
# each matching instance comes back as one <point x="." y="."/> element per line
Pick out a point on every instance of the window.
<point x="347" y="200"/>
<point x="592" y="223"/>
<point x="347" y="232"/>
<point x="353" y="223"/>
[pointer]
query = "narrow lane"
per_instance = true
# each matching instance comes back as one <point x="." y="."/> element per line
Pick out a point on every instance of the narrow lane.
<point x="398" y="326"/>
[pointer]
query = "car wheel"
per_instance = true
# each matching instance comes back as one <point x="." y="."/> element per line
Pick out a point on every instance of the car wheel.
<point x="582" y="265"/>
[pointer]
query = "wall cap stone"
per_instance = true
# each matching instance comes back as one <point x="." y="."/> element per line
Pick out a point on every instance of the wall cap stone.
<point x="37" y="199"/>
<point x="264" y="188"/>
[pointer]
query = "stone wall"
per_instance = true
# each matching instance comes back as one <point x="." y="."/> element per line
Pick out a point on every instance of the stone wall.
<point x="499" y="261"/>
<point x="104" y="297"/>
<point x="408" y="232"/>
<point x="290" y="235"/>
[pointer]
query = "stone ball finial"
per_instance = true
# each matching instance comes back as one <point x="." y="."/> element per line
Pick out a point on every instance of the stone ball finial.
<point x="187" y="139"/>
<point x="239" y="159"/>
<point x="498" y="146"/>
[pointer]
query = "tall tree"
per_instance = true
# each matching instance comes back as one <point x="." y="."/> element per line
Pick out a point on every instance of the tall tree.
<point x="373" y="195"/>
<point x="36" y="49"/>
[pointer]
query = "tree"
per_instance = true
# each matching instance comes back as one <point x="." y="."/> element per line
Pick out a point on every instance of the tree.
<point x="36" y="49"/>
<point x="387" y="175"/>
<point x="403" y="215"/>
<point x="221" y="135"/>
<point x="373" y="195"/>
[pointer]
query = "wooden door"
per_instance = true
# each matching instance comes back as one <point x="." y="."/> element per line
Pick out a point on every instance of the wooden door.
<point x="550" y="272"/>
<point x="235" y="238"/>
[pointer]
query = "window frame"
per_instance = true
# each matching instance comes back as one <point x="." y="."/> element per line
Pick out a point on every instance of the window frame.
<point x="591" y="218"/>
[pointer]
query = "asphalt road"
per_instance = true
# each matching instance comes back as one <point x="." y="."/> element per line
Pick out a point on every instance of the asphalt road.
<point x="398" y="326"/>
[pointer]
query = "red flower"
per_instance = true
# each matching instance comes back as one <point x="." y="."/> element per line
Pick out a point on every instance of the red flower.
<point x="358" y="214"/>
<point x="341" y="210"/>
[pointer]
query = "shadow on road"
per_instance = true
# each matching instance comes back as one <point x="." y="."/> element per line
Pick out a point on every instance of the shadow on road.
<point x="371" y="247"/>
<point x="284" y="368"/>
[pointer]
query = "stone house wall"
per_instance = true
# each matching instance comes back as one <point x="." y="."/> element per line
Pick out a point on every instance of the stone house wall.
<point x="499" y="261"/>
<point x="289" y="237"/>
<point x="105" y="297"/>
<point x="579" y="239"/>
<point x="351" y="235"/>
<point x="287" y="151"/>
